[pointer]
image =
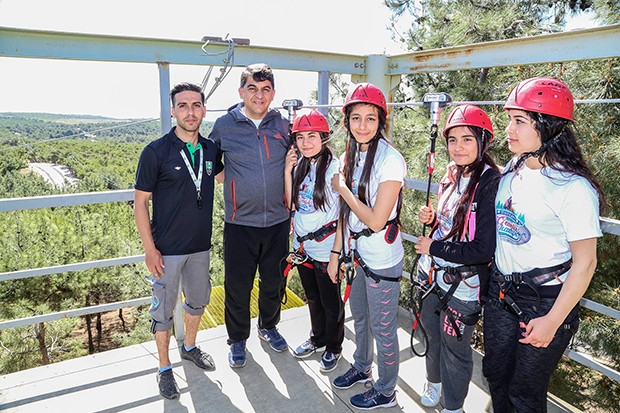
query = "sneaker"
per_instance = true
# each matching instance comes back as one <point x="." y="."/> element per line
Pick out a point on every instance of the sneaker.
<point x="329" y="361"/>
<point x="198" y="357"/>
<point x="236" y="356"/>
<point x="372" y="399"/>
<point x="273" y="337"/>
<point x="351" y="377"/>
<point x="452" y="411"/>
<point x="306" y="349"/>
<point x="430" y="397"/>
<point x="167" y="385"/>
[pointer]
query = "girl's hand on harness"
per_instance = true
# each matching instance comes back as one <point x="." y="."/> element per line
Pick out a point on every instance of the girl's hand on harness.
<point x="291" y="160"/>
<point x="539" y="332"/>
<point x="423" y="246"/>
<point x="426" y="215"/>
<point x="333" y="269"/>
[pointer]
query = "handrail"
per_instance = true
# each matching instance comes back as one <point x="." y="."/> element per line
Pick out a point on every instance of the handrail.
<point x="608" y="225"/>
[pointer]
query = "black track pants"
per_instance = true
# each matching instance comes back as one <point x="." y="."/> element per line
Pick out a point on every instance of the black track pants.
<point x="247" y="249"/>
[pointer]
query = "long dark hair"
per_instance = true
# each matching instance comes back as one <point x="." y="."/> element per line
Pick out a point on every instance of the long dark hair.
<point x="352" y="156"/>
<point x="476" y="168"/>
<point x="323" y="159"/>
<point x="559" y="151"/>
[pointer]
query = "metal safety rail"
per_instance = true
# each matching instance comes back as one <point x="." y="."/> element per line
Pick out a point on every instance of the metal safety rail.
<point x="609" y="226"/>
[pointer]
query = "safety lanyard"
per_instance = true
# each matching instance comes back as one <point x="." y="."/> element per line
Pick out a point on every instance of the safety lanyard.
<point x="197" y="179"/>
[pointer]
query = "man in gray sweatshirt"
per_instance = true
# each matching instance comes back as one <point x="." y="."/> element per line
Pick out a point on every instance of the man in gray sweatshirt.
<point x="253" y="140"/>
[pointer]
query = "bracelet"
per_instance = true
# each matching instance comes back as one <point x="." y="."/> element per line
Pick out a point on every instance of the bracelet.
<point x="335" y="252"/>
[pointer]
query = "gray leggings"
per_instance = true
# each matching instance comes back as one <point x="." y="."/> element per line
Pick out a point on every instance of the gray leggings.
<point x="449" y="360"/>
<point x="374" y="307"/>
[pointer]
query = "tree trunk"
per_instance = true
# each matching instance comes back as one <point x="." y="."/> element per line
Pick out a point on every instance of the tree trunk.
<point x="120" y="316"/>
<point x="89" y="332"/>
<point x="99" y="331"/>
<point x="40" y="334"/>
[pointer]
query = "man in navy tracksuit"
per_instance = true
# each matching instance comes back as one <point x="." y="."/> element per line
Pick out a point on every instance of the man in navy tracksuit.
<point x="253" y="140"/>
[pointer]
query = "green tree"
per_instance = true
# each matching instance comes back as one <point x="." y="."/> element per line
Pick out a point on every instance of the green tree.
<point x="444" y="23"/>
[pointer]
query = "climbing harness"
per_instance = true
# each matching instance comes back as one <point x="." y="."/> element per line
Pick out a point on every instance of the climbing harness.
<point x="533" y="279"/>
<point x="299" y="257"/>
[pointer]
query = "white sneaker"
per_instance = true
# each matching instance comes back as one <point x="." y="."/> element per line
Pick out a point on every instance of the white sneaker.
<point x="430" y="397"/>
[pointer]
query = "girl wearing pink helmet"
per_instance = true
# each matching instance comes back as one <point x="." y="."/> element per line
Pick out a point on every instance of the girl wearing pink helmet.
<point x="547" y="213"/>
<point x="369" y="187"/>
<point x="455" y="258"/>
<point x="307" y="176"/>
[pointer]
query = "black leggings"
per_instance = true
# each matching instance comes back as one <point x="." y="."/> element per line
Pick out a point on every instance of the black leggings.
<point x="325" y="305"/>
<point x="518" y="374"/>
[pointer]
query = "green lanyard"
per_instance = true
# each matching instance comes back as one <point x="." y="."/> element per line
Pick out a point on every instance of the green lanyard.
<point x="192" y="150"/>
<point x="196" y="179"/>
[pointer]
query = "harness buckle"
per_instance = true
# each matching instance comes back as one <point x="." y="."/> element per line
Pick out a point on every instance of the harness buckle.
<point x="296" y="258"/>
<point x="515" y="277"/>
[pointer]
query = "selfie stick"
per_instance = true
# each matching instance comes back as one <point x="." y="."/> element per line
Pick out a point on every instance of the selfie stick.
<point x="435" y="101"/>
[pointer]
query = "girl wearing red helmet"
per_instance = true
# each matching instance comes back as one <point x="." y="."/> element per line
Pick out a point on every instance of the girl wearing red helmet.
<point x="456" y="256"/>
<point x="369" y="187"/>
<point x="547" y="213"/>
<point x="308" y="193"/>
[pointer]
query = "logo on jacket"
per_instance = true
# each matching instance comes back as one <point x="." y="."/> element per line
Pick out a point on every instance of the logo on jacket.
<point x="209" y="167"/>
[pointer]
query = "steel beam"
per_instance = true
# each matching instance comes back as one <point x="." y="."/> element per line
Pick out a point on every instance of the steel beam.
<point x="597" y="43"/>
<point x="105" y="48"/>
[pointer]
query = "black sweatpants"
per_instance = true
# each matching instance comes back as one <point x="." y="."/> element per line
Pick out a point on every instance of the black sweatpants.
<point x="518" y="374"/>
<point x="325" y="305"/>
<point x="247" y="249"/>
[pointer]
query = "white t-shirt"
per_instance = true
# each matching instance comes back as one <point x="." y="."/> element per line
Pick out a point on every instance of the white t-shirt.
<point x="538" y="215"/>
<point x="309" y="219"/>
<point x="446" y="206"/>
<point x="389" y="165"/>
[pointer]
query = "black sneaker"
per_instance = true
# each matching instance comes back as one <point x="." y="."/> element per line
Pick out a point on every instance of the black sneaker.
<point x="198" y="357"/>
<point x="351" y="377"/>
<point x="372" y="399"/>
<point x="167" y="385"/>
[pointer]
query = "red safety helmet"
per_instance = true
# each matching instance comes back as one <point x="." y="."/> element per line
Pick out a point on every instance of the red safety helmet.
<point x="543" y="95"/>
<point x="311" y="122"/>
<point x="365" y="93"/>
<point x="468" y="115"/>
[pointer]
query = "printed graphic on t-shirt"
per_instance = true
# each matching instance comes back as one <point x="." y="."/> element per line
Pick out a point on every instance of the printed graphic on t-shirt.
<point x="511" y="224"/>
<point x="305" y="200"/>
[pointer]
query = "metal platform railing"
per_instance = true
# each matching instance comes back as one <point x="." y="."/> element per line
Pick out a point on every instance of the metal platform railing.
<point x="15" y="204"/>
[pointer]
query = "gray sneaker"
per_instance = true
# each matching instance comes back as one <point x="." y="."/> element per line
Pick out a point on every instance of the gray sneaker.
<point x="167" y="385"/>
<point x="198" y="357"/>
<point x="306" y="349"/>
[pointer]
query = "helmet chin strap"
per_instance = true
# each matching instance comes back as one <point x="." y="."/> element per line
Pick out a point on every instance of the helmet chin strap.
<point x="537" y="154"/>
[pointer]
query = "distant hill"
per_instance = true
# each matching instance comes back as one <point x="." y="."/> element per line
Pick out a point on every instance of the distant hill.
<point x="16" y="128"/>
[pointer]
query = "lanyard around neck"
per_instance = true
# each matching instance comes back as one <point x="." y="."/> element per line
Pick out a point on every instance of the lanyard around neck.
<point x="197" y="179"/>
